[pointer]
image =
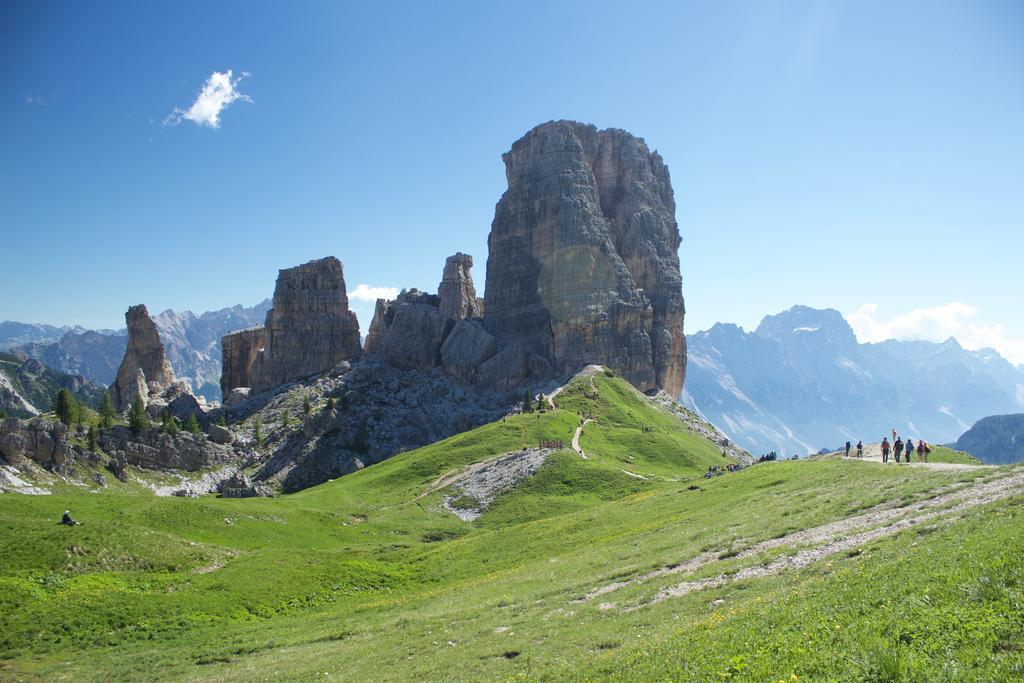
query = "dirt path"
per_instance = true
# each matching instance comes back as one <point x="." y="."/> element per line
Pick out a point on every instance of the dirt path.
<point x="827" y="539"/>
<point x="576" y="439"/>
<point x="588" y="371"/>
<point x="873" y="453"/>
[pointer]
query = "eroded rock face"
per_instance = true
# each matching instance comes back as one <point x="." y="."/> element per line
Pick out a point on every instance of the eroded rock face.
<point x="144" y="370"/>
<point x="39" y="440"/>
<point x="583" y="264"/>
<point x="309" y="330"/>
<point x="153" y="450"/>
<point x="238" y="351"/>
<point x="456" y="291"/>
<point x="411" y="332"/>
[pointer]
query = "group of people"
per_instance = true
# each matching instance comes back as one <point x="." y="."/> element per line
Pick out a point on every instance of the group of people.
<point x="905" y="449"/>
<point x="715" y="470"/>
<point x="898" y="447"/>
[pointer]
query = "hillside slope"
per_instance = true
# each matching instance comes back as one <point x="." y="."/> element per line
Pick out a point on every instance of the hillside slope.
<point x="27" y="387"/>
<point x="997" y="439"/>
<point x="625" y="564"/>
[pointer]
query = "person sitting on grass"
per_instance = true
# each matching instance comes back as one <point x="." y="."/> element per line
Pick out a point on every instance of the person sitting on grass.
<point x="67" y="519"/>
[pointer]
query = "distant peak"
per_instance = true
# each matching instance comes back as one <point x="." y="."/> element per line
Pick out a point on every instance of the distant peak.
<point x="805" y="320"/>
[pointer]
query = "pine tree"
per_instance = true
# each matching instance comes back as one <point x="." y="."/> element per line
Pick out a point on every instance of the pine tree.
<point x="138" y="421"/>
<point x="107" y="412"/>
<point x="169" y="424"/>
<point x="331" y="403"/>
<point x="527" y="401"/>
<point x="92" y="438"/>
<point x="193" y="424"/>
<point x="64" y="406"/>
<point x="222" y="421"/>
<point x="307" y="405"/>
<point x="286" y="420"/>
<point x="257" y="432"/>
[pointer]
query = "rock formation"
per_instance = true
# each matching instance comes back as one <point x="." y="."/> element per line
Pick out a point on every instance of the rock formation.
<point x="456" y="291"/>
<point x="583" y="264"/>
<point x="238" y="353"/>
<point x="144" y="371"/>
<point x="309" y="330"/>
<point x="421" y="331"/>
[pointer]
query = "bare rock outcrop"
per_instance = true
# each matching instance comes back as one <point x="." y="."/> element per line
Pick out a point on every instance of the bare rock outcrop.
<point x="409" y="331"/>
<point x="38" y="440"/>
<point x="155" y="450"/>
<point x="238" y="352"/>
<point x="309" y="330"/>
<point x="583" y="264"/>
<point x="144" y="371"/>
<point x="456" y="290"/>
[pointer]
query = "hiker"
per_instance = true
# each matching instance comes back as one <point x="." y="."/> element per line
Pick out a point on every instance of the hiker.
<point x="897" y="448"/>
<point x="909" y="448"/>
<point x="893" y="433"/>
<point x="885" y="449"/>
<point x="847" y="450"/>
<point x="923" y="450"/>
<point x="67" y="519"/>
<point x="860" y="449"/>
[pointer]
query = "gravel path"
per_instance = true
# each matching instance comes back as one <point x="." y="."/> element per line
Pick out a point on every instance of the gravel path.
<point x="828" y="539"/>
<point x="576" y="440"/>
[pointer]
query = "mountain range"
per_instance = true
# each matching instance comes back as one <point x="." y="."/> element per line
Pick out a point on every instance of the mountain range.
<point x="801" y="382"/>
<point x="192" y="343"/>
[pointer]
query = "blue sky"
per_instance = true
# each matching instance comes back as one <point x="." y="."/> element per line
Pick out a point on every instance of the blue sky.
<point x="826" y="153"/>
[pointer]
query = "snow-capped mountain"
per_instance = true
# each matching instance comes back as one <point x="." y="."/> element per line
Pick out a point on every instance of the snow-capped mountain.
<point x="801" y="382"/>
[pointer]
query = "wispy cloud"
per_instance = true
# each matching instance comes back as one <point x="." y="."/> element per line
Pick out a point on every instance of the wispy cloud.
<point x="937" y="323"/>
<point x="33" y="99"/>
<point x="371" y="294"/>
<point x="220" y="90"/>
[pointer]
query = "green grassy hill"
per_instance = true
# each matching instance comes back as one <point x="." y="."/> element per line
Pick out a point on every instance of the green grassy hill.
<point x="626" y="565"/>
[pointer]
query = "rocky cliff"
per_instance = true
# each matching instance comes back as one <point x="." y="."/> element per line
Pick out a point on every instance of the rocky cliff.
<point x="238" y="355"/>
<point x="309" y="330"/>
<point x="583" y="264"/>
<point x="144" y="369"/>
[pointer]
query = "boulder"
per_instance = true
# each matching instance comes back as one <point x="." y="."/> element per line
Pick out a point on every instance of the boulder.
<point x="219" y="434"/>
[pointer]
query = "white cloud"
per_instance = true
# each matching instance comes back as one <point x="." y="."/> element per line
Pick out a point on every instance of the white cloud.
<point x="218" y="92"/>
<point x="936" y="324"/>
<point x="371" y="294"/>
<point x="32" y="99"/>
